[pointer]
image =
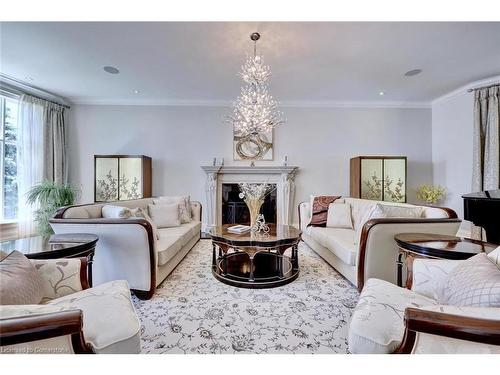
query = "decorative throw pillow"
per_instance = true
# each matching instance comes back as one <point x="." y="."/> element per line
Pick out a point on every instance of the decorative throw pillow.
<point x="20" y="282"/>
<point x="110" y="211"/>
<point x="339" y="216"/>
<point x="319" y="209"/>
<point x="183" y="201"/>
<point x="142" y="213"/>
<point x="494" y="256"/>
<point x="165" y="215"/>
<point x="384" y="210"/>
<point x="474" y="282"/>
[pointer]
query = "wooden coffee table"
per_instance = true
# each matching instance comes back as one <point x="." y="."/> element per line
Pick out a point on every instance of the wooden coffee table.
<point x="435" y="246"/>
<point x="251" y="260"/>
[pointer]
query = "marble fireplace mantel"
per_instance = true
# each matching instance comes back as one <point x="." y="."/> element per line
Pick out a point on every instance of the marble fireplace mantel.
<point x="282" y="176"/>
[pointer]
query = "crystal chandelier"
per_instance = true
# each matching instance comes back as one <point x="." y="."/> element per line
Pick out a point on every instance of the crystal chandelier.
<point x="255" y="111"/>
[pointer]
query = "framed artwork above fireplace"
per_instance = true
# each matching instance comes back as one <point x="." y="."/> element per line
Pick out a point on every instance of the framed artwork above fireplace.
<point x="253" y="147"/>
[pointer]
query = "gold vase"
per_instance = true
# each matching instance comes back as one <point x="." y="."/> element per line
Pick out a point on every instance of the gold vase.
<point x="254" y="206"/>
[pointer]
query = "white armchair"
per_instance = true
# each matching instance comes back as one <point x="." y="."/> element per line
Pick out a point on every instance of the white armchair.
<point x="390" y="319"/>
<point x="72" y="318"/>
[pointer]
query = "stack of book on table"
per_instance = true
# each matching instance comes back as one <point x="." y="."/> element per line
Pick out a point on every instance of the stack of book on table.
<point x="239" y="229"/>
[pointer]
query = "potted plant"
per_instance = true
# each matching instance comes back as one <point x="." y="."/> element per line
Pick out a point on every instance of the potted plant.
<point x="430" y="194"/>
<point x="48" y="196"/>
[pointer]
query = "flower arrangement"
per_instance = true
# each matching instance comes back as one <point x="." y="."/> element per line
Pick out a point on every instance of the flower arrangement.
<point x="253" y="195"/>
<point x="430" y="193"/>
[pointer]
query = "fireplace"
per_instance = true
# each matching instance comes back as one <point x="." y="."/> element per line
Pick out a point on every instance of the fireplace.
<point x="235" y="211"/>
<point x="217" y="209"/>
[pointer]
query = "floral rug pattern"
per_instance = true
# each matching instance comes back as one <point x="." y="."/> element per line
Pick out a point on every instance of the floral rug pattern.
<point x="191" y="312"/>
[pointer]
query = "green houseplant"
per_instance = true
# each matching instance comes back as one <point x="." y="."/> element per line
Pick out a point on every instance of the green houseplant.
<point x="48" y="197"/>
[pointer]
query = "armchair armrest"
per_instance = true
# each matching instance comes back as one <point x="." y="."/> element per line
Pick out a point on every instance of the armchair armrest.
<point x="63" y="276"/>
<point x="428" y="275"/>
<point x="459" y="327"/>
<point x="25" y="329"/>
<point x="378" y="251"/>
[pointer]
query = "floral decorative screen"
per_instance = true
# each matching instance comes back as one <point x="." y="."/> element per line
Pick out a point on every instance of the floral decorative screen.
<point x="106" y="179"/>
<point x="384" y="179"/>
<point x="118" y="178"/>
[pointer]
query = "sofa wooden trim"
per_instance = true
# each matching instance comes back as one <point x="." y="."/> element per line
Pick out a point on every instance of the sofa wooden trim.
<point x="467" y="328"/>
<point x="370" y="224"/>
<point x="29" y="328"/>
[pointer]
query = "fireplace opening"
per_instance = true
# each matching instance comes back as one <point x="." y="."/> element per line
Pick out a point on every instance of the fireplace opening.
<point x="235" y="211"/>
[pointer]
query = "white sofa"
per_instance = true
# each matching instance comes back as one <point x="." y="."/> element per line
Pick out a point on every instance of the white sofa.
<point x="390" y="319"/>
<point x="374" y="253"/>
<point x="128" y="248"/>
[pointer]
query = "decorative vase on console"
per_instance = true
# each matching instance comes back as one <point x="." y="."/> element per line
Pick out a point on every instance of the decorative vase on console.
<point x="254" y="195"/>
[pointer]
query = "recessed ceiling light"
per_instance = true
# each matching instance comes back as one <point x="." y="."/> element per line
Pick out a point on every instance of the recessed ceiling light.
<point x="137" y="92"/>
<point x="381" y="93"/>
<point x="111" y="70"/>
<point x="414" y="72"/>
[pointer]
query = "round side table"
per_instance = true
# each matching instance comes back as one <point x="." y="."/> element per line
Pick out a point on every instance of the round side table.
<point x="435" y="246"/>
<point x="71" y="245"/>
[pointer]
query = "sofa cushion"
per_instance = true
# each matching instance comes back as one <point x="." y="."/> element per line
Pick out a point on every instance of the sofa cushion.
<point x="165" y="215"/>
<point x="20" y="281"/>
<point x="474" y="282"/>
<point x="115" y="212"/>
<point x="339" y="216"/>
<point x="319" y="209"/>
<point x="340" y="241"/>
<point x="167" y="247"/>
<point x="184" y="203"/>
<point x="494" y="256"/>
<point x="110" y="324"/>
<point x="377" y="323"/>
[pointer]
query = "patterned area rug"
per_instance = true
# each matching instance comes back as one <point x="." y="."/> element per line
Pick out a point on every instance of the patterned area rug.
<point x="192" y="312"/>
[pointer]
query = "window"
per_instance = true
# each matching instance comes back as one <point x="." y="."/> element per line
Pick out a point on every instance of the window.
<point x="8" y="159"/>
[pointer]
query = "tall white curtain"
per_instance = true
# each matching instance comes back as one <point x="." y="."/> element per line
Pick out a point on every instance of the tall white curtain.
<point x="486" y="159"/>
<point x="29" y="158"/>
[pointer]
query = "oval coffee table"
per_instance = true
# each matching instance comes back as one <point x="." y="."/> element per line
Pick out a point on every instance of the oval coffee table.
<point x="251" y="260"/>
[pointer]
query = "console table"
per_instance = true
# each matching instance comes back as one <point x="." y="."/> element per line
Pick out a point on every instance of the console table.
<point x="252" y="260"/>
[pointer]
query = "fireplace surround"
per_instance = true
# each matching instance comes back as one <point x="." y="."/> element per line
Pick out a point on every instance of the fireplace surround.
<point x="282" y="176"/>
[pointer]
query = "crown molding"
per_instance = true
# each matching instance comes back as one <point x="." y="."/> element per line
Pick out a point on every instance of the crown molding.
<point x="228" y="103"/>
<point x="463" y="89"/>
<point x="24" y="88"/>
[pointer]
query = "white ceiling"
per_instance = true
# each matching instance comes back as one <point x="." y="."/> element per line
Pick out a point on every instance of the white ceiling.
<point x="182" y="63"/>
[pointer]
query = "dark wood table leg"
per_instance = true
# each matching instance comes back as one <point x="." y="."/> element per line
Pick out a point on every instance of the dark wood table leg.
<point x="90" y="260"/>
<point x="399" y="264"/>
<point x="295" y="257"/>
<point x="214" y="258"/>
<point x="251" y="277"/>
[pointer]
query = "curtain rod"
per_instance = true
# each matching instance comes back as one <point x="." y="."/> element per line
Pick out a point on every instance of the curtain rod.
<point x="483" y="87"/>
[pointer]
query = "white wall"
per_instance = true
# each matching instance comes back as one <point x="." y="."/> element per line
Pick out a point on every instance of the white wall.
<point x="452" y="128"/>
<point x="181" y="139"/>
